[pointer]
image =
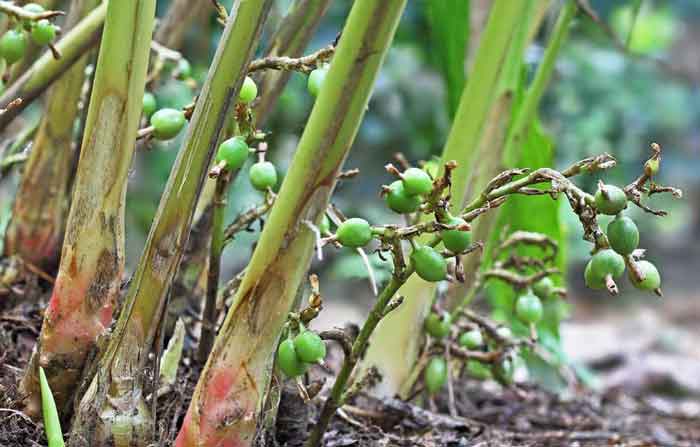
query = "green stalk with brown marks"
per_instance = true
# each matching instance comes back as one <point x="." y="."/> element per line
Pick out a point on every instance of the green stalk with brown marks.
<point x="113" y="409"/>
<point x="208" y="332"/>
<point x="228" y="400"/>
<point x="190" y="282"/>
<point x="45" y="70"/>
<point x="290" y="39"/>
<point x="35" y="232"/>
<point x="479" y="118"/>
<point x="92" y="259"/>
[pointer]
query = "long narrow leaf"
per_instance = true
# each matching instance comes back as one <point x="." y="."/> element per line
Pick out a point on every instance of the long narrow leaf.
<point x="52" y="424"/>
<point x="449" y="34"/>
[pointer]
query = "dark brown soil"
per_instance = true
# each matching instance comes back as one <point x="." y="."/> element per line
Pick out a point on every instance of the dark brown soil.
<point x="486" y="414"/>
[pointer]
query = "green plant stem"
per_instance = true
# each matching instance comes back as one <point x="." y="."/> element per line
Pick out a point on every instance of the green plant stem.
<point x="113" y="411"/>
<point x="336" y="398"/>
<point x="13" y="154"/>
<point x="92" y="258"/>
<point x="206" y="340"/>
<point x="228" y="400"/>
<point x="36" y="227"/>
<point x="528" y="110"/>
<point x="189" y="285"/>
<point x="46" y="69"/>
<point x="290" y="39"/>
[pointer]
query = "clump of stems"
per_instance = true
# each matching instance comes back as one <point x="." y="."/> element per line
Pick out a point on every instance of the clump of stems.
<point x="92" y="259"/>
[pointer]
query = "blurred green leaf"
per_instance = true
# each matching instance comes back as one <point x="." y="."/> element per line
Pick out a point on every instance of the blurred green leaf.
<point x="648" y="30"/>
<point x="449" y="34"/>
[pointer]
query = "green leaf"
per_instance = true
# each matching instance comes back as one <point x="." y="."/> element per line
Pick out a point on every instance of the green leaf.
<point x="52" y="424"/>
<point x="449" y="34"/>
<point x="170" y="360"/>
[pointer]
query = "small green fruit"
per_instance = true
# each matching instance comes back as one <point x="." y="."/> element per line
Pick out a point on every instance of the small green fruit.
<point x="456" y="240"/>
<point x="429" y="264"/>
<point x="33" y="8"/>
<point x="607" y="262"/>
<point x="263" y="175"/>
<point x="43" y="32"/>
<point x="354" y="233"/>
<point x="13" y="44"/>
<point x="399" y="201"/>
<point x="309" y="347"/>
<point x="432" y="167"/>
<point x="478" y="370"/>
<point x="503" y="371"/>
<point x="167" y="123"/>
<point x="652" y="278"/>
<point x="184" y="69"/>
<point x="416" y="181"/>
<point x="288" y="361"/>
<point x="438" y="326"/>
<point x="592" y="281"/>
<point x="528" y="308"/>
<point x="234" y="152"/>
<point x="435" y="375"/>
<point x="504" y="332"/>
<point x="610" y="199"/>
<point x="149" y="104"/>
<point x="544" y="288"/>
<point x="471" y="339"/>
<point x="249" y="91"/>
<point x="623" y="235"/>
<point x="316" y="79"/>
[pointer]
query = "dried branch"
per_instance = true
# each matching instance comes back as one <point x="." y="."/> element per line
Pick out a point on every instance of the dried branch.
<point x="304" y="64"/>
<point x="19" y="13"/>
<point x="244" y="220"/>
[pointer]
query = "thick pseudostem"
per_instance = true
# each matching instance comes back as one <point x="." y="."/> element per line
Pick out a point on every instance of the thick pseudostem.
<point x="228" y="399"/>
<point x="41" y="205"/>
<point x="113" y="410"/>
<point x="92" y="260"/>
<point x="206" y="340"/>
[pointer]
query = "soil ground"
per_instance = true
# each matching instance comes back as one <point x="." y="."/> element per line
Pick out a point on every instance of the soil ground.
<point x="485" y="414"/>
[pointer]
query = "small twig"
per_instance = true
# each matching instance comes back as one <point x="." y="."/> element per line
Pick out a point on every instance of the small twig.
<point x="339" y="336"/>
<point x="518" y="281"/>
<point x="11" y="105"/>
<point x="637" y="188"/>
<point x="304" y="64"/>
<point x="19" y="13"/>
<point x="244" y="220"/>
